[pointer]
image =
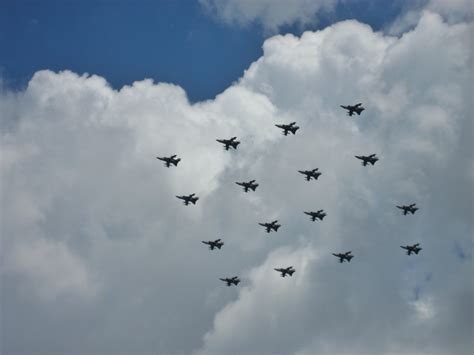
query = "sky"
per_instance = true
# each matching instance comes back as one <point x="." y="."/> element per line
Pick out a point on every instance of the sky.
<point x="99" y="257"/>
<point x="180" y="42"/>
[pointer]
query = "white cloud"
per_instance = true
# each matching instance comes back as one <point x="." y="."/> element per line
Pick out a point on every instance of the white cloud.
<point x="414" y="121"/>
<point x="50" y="270"/>
<point x="271" y="14"/>
<point x="94" y="235"/>
<point x="452" y="11"/>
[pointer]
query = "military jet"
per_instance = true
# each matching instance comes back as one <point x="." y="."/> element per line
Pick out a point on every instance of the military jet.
<point x="171" y="160"/>
<point x="248" y="185"/>
<point x="231" y="280"/>
<point x="372" y="158"/>
<point x="412" y="248"/>
<point x="286" y="271"/>
<point x="232" y="142"/>
<point x="214" y="244"/>
<point x="320" y="214"/>
<point x="188" y="199"/>
<point x="271" y="226"/>
<point x="408" y="209"/>
<point x="344" y="256"/>
<point x="357" y="108"/>
<point x="288" y="128"/>
<point x="310" y="174"/>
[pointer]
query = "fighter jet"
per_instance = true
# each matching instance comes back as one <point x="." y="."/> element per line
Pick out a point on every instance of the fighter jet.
<point x="214" y="244"/>
<point x="412" y="248"/>
<point x="231" y="280"/>
<point x="271" y="226"/>
<point x="288" y="128"/>
<point x="367" y="159"/>
<point x="408" y="209"/>
<point x="286" y="271"/>
<point x="248" y="185"/>
<point x="188" y="199"/>
<point x="310" y="174"/>
<point x="320" y="214"/>
<point x="171" y="160"/>
<point x="232" y="142"/>
<point x="357" y="108"/>
<point x="344" y="256"/>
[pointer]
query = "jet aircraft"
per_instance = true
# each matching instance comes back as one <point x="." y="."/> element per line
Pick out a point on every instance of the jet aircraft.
<point x="271" y="226"/>
<point x="412" y="248"/>
<point x="248" y="185"/>
<point x="214" y="244"/>
<point x="408" y="209"/>
<point x="231" y="280"/>
<point x="170" y="160"/>
<point x="344" y="256"/>
<point x="366" y="159"/>
<point x="310" y="174"/>
<point x="286" y="271"/>
<point x="288" y="128"/>
<point x="232" y="142"/>
<point x="320" y="214"/>
<point x="189" y="199"/>
<point x="357" y="108"/>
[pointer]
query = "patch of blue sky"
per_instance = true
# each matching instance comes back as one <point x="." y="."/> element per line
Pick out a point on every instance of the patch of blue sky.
<point x="125" y="41"/>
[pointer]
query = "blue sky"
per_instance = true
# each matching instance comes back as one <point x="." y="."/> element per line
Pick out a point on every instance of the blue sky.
<point x="125" y="41"/>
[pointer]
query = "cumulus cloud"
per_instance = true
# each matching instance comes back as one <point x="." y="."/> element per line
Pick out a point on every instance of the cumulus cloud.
<point x="453" y="11"/>
<point x="271" y="14"/>
<point x="50" y="270"/>
<point x="93" y="237"/>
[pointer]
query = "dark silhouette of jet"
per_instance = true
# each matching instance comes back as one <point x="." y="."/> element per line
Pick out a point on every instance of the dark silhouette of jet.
<point x="214" y="244"/>
<point x="231" y="280"/>
<point x="412" y="248"/>
<point x="366" y="159"/>
<point x="320" y="214"/>
<point x="171" y="160"/>
<point x="344" y="256"/>
<point x="408" y="209"/>
<point x="248" y="185"/>
<point x="310" y="174"/>
<point x="288" y="128"/>
<point x="286" y="271"/>
<point x="188" y="199"/>
<point x="357" y="108"/>
<point x="271" y="226"/>
<point x="232" y="142"/>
